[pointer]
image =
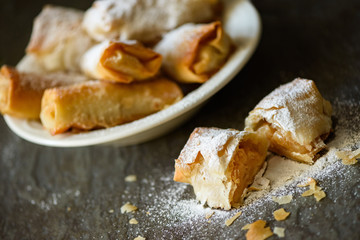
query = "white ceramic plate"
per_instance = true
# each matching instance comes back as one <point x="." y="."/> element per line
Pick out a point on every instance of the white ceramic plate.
<point x="241" y="21"/>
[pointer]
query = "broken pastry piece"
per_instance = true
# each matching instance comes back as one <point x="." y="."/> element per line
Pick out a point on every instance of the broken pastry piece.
<point x="101" y="104"/>
<point x="121" y="62"/>
<point x="143" y="20"/>
<point x="220" y="164"/>
<point x="194" y="52"/>
<point x="295" y="118"/>
<point x="57" y="39"/>
<point x="21" y="92"/>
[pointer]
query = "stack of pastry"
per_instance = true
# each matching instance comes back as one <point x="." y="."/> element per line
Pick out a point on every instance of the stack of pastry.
<point x="293" y="121"/>
<point x="114" y="63"/>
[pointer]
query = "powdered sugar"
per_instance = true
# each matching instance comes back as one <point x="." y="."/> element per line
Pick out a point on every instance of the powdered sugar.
<point x="175" y="206"/>
<point x="294" y="107"/>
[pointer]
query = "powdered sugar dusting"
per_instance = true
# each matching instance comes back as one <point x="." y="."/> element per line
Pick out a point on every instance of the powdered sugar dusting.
<point x="175" y="207"/>
<point x="294" y="107"/>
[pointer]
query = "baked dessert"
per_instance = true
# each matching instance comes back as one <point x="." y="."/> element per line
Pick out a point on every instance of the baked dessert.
<point x="21" y="92"/>
<point x="31" y="64"/>
<point x="194" y="52"/>
<point x="98" y="104"/>
<point x="295" y="118"/>
<point x="121" y="62"/>
<point x="57" y="39"/>
<point x="143" y="20"/>
<point x="220" y="164"/>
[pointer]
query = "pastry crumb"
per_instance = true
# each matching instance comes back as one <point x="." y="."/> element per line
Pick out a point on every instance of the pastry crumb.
<point x="133" y="221"/>
<point x="314" y="190"/>
<point x="280" y="214"/>
<point x="229" y="221"/>
<point x="246" y="227"/>
<point x="209" y="215"/>
<point x="348" y="157"/>
<point x="127" y="208"/>
<point x="131" y="178"/>
<point x="282" y="199"/>
<point x="258" y="231"/>
<point x="111" y="211"/>
<point x="139" y="238"/>
<point x="68" y="209"/>
<point x="319" y="195"/>
<point x="279" y="231"/>
<point x="309" y="182"/>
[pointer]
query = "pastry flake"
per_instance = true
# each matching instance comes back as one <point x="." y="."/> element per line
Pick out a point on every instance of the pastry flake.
<point x="57" y="40"/>
<point x="295" y="118"/>
<point x="194" y="52"/>
<point x="123" y="62"/>
<point x="220" y="164"/>
<point x="21" y="92"/>
<point x="143" y="20"/>
<point x="258" y="231"/>
<point x="139" y="238"/>
<point x="131" y="178"/>
<point x="100" y="104"/>
<point x="282" y="199"/>
<point x="133" y="221"/>
<point x="314" y="190"/>
<point x="279" y="231"/>
<point x="230" y="221"/>
<point x="127" y="208"/>
<point x="348" y="157"/>
<point x="280" y="214"/>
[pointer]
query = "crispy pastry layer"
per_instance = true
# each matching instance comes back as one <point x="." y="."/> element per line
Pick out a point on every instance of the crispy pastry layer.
<point x="21" y="93"/>
<point x="121" y="62"/>
<point x="194" y="52"/>
<point x="96" y="104"/>
<point x="220" y="164"/>
<point x="143" y="20"/>
<point x="57" y="39"/>
<point x="295" y="118"/>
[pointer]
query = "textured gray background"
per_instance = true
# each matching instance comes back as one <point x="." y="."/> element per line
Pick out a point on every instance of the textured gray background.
<point x="319" y="40"/>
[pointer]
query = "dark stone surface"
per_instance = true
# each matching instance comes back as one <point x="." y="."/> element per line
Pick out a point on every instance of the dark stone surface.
<point x="58" y="193"/>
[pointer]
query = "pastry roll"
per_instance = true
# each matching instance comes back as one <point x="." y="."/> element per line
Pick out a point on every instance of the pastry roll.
<point x="194" y="52"/>
<point x="295" y="118"/>
<point x="57" y="39"/>
<point x="31" y="64"/>
<point x="220" y="164"/>
<point x="143" y="20"/>
<point x="121" y="62"/>
<point x="97" y="104"/>
<point x="21" y="93"/>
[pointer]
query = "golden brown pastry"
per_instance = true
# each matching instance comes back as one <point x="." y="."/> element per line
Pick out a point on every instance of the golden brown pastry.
<point x="57" y="39"/>
<point x="143" y="20"/>
<point x="96" y="104"/>
<point x="220" y="164"/>
<point x="121" y="62"/>
<point x="21" y="93"/>
<point x="194" y="52"/>
<point x="295" y="118"/>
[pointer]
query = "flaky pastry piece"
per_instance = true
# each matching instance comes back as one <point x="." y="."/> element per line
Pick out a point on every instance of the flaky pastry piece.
<point x="21" y="92"/>
<point x="121" y="62"/>
<point x="143" y="20"/>
<point x="99" y="104"/>
<point x="31" y="64"/>
<point x="220" y="164"/>
<point x="194" y="52"/>
<point x="58" y="40"/>
<point x="295" y="118"/>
